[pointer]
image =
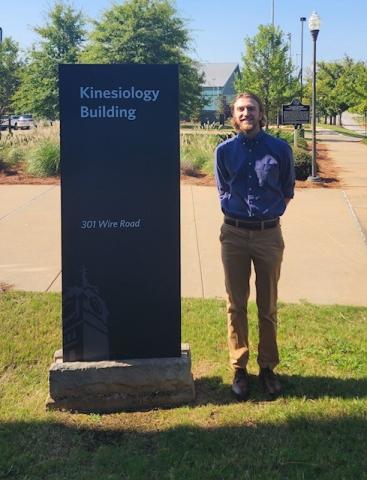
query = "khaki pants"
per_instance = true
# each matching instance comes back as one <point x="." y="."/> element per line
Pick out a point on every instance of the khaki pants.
<point x="264" y="248"/>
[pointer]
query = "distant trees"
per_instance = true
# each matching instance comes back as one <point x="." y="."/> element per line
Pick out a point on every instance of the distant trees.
<point x="267" y="70"/>
<point x="147" y="31"/>
<point x="137" y="31"/>
<point x="61" y="42"/>
<point x="9" y="73"/>
<point x="341" y="86"/>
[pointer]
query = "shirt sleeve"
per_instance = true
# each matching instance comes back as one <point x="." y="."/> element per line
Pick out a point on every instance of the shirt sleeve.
<point x="287" y="173"/>
<point x="220" y="173"/>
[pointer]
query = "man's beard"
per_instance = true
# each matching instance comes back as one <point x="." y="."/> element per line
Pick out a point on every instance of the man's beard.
<point x="237" y="126"/>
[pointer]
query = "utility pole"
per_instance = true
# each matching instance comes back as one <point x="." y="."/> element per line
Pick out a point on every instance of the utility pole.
<point x="302" y="19"/>
<point x="289" y="35"/>
<point x="272" y="14"/>
<point x="1" y="35"/>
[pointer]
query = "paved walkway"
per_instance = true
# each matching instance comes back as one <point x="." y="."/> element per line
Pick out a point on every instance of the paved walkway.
<point x="349" y="121"/>
<point x="326" y="251"/>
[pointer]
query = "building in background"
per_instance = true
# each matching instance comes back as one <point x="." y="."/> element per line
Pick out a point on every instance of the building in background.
<point x="218" y="90"/>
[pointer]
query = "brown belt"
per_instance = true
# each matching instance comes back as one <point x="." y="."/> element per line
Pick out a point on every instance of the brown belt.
<point x="252" y="224"/>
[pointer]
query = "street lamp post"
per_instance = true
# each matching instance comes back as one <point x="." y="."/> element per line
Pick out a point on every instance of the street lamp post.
<point x="314" y="26"/>
<point x="1" y="35"/>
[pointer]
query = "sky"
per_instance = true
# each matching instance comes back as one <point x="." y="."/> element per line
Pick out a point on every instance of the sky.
<point x="218" y="27"/>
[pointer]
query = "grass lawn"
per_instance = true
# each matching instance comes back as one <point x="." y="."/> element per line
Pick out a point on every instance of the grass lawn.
<point x="316" y="430"/>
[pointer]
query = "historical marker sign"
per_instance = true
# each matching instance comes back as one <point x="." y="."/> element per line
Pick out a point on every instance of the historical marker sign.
<point x="120" y="211"/>
<point x="295" y="113"/>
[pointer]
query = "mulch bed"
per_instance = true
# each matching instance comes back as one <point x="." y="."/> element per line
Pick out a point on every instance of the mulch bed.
<point x="328" y="171"/>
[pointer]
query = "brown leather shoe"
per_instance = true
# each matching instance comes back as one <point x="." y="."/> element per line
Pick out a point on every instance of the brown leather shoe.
<point x="270" y="382"/>
<point x="240" y="385"/>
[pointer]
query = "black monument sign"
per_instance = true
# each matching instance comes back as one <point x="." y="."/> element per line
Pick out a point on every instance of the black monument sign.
<point x="295" y="113"/>
<point x="120" y="211"/>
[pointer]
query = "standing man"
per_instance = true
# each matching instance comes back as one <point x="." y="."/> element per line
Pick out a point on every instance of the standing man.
<point x="255" y="180"/>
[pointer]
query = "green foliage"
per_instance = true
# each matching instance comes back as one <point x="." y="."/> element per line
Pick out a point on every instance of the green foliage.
<point x="302" y="163"/>
<point x="10" y="156"/>
<point x="147" y="31"/>
<point x="354" y="84"/>
<point x="9" y="70"/>
<point x="44" y="159"/>
<point x="267" y="70"/>
<point x="285" y="135"/>
<point x="61" y="40"/>
<point x="197" y="152"/>
<point x="15" y="155"/>
<point x="341" y="85"/>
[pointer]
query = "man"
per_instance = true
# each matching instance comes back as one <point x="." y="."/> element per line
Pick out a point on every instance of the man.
<point x="255" y="180"/>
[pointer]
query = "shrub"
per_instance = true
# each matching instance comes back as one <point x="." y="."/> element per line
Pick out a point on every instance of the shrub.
<point x="283" y="134"/>
<point x="288" y="136"/>
<point x="302" y="163"/>
<point x="197" y="152"/>
<point x="44" y="159"/>
<point x="15" y="155"/>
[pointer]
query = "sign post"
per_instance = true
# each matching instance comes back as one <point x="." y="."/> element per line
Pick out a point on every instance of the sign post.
<point x="295" y="114"/>
<point x="120" y="236"/>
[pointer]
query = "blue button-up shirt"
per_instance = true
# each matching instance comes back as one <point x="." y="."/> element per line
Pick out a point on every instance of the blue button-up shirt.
<point x="254" y="176"/>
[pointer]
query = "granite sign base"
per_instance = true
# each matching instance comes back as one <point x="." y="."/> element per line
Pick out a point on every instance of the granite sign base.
<point x="122" y="385"/>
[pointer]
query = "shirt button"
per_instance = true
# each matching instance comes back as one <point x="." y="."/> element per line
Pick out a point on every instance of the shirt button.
<point x="250" y="150"/>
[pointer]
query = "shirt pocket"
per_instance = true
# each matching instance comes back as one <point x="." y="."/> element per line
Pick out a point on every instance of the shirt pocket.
<point x="266" y="170"/>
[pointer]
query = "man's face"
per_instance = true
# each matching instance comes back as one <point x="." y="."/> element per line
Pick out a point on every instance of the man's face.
<point x="247" y="116"/>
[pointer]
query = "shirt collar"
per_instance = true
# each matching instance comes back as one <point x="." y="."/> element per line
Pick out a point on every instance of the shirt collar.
<point x="243" y="138"/>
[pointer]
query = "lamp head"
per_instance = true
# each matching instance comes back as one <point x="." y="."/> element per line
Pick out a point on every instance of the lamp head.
<point x="314" y="22"/>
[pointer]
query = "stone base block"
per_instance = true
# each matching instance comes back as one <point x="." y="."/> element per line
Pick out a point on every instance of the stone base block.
<point x="112" y="386"/>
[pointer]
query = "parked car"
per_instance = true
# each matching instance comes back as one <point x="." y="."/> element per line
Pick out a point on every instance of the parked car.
<point x="25" y="121"/>
<point x="4" y="122"/>
<point x="14" y="121"/>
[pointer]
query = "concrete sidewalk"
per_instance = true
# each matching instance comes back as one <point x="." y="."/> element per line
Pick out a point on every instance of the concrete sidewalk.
<point x="351" y="157"/>
<point x="325" y="259"/>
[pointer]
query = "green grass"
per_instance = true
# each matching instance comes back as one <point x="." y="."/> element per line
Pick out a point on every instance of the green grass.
<point x="44" y="159"/>
<point x="316" y="430"/>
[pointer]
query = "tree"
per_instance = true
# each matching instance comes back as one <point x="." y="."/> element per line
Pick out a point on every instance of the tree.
<point x="9" y="71"/>
<point x="354" y="85"/>
<point x="62" y="37"/>
<point x="147" y="31"/>
<point x="267" y="70"/>
<point x="333" y="97"/>
<point x="341" y="85"/>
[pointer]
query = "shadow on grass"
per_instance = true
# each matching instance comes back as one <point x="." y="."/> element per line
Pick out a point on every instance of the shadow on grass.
<point x="297" y="448"/>
<point x="213" y="390"/>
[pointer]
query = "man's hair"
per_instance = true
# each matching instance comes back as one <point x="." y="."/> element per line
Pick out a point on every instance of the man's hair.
<point x="257" y="100"/>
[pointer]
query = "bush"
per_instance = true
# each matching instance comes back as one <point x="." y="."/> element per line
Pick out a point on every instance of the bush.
<point x="283" y="134"/>
<point x="197" y="152"/>
<point x="302" y="163"/>
<point x="288" y="136"/>
<point x="44" y="159"/>
<point x="15" y="155"/>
